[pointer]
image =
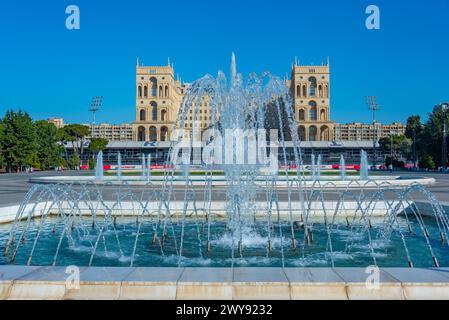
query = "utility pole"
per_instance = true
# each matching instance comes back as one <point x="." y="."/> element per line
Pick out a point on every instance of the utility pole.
<point x="444" y="142"/>
<point x="444" y="149"/>
<point x="414" y="150"/>
<point x="391" y="152"/>
<point x="371" y="102"/>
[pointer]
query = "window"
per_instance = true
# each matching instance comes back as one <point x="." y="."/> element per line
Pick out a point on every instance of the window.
<point x="142" y="115"/>
<point x="164" y="132"/>
<point x="139" y="92"/>
<point x="312" y="86"/>
<point x="153" y="134"/>
<point x="153" y="83"/>
<point x="312" y="111"/>
<point x="154" y="110"/>
<point x="312" y="133"/>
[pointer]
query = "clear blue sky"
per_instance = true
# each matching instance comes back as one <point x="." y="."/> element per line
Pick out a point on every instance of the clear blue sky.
<point x="50" y="71"/>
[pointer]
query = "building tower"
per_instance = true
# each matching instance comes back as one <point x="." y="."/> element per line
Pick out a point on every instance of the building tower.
<point x="158" y="97"/>
<point x="310" y="90"/>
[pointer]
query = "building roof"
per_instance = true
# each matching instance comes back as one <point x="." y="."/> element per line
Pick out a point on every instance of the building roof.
<point x="363" y="144"/>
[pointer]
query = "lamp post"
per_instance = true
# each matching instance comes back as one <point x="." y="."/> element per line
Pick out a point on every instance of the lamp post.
<point x="414" y="150"/>
<point x="444" y="149"/>
<point x="371" y="102"/>
<point x="391" y="152"/>
<point x="445" y="107"/>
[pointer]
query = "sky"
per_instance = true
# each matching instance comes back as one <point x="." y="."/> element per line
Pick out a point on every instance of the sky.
<point x="50" y="71"/>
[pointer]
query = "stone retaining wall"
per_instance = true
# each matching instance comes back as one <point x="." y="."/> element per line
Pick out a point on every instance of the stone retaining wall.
<point x="20" y="282"/>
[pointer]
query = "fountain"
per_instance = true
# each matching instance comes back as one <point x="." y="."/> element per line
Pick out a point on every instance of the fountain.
<point x="99" y="167"/>
<point x="119" y="166"/>
<point x="239" y="205"/>
<point x="148" y="168"/>
<point x="364" y="165"/>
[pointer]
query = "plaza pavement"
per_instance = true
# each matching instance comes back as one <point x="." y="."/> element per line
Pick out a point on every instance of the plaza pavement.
<point x="13" y="187"/>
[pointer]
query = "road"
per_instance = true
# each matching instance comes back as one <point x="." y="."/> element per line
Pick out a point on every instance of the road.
<point x="13" y="187"/>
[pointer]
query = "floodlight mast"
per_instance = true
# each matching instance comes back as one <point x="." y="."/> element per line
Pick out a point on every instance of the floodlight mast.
<point x="95" y="106"/>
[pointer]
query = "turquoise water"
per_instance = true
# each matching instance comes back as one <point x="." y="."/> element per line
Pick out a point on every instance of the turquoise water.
<point x="350" y="246"/>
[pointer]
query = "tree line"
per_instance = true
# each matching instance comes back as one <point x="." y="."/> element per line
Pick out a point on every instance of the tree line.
<point x="422" y="141"/>
<point x="26" y="144"/>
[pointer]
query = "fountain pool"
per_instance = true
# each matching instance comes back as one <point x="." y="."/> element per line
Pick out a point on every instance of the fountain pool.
<point x="253" y="214"/>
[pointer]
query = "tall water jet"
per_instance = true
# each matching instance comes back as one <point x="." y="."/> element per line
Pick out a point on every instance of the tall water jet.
<point x="313" y="171"/>
<point x="148" y="167"/>
<point x="99" y="166"/>
<point x="143" y="166"/>
<point x="342" y="167"/>
<point x="119" y="166"/>
<point x="233" y="68"/>
<point x="318" y="167"/>
<point x="364" y="165"/>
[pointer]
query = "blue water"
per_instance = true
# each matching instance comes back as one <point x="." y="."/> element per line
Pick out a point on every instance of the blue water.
<point x="350" y="246"/>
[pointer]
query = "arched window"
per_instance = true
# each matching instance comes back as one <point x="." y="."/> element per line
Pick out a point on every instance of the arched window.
<point x="301" y="133"/>
<point x="166" y="91"/>
<point x="312" y="86"/>
<point x="301" y="115"/>
<point x="323" y="115"/>
<point x="145" y="91"/>
<point x="312" y="133"/>
<point x="161" y="91"/>
<point x="312" y="111"/>
<point x="153" y="134"/>
<point x="298" y="91"/>
<point x="141" y="134"/>
<point x="326" y="91"/>
<point x="163" y="115"/>
<point x="320" y="91"/>
<point x="164" y="132"/>
<point x="153" y="83"/>
<point x="324" y="136"/>
<point x="139" y="92"/>
<point x="142" y="115"/>
<point x="154" y="111"/>
<point x="304" y="91"/>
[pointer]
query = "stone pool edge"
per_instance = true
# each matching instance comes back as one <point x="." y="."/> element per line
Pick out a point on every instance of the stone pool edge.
<point x="50" y="283"/>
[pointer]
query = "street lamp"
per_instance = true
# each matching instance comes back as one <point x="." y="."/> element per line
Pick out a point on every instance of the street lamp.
<point x="445" y="107"/>
<point x="371" y="102"/>
<point x="414" y="150"/>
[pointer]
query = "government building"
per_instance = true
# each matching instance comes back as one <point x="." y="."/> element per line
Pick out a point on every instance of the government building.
<point x="159" y="95"/>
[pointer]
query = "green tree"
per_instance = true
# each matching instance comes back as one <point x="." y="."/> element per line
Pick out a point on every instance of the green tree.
<point x="96" y="145"/>
<point x="2" y="135"/>
<point x="63" y="138"/>
<point x="76" y="134"/>
<point x="19" y="140"/>
<point x="401" y="147"/>
<point x="74" y="162"/>
<point x="414" y="126"/>
<point x="426" y="162"/>
<point x="47" y="148"/>
<point x="432" y="136"/>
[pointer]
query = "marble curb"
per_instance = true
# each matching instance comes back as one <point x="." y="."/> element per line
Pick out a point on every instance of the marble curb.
<point x="56" y="283"/>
